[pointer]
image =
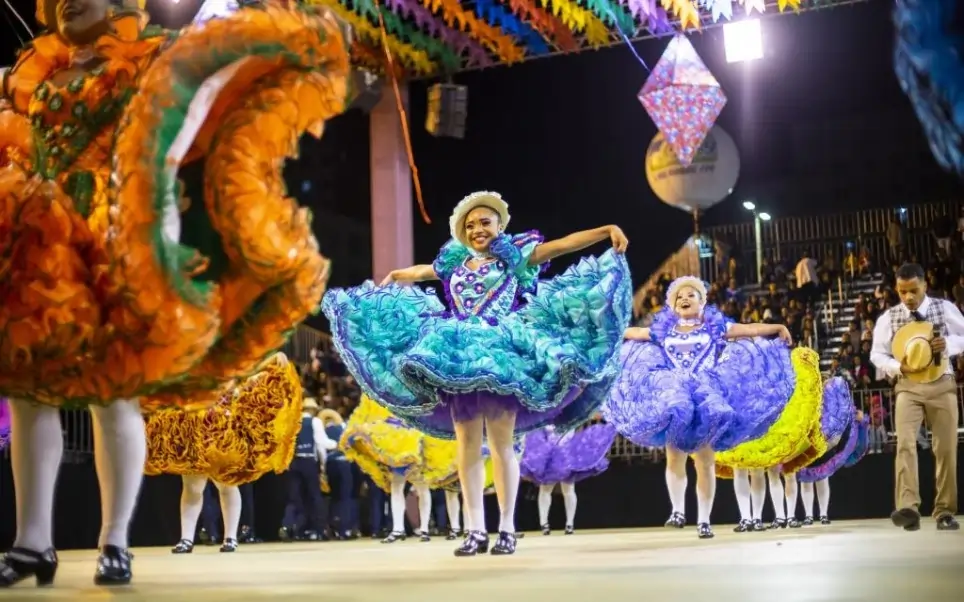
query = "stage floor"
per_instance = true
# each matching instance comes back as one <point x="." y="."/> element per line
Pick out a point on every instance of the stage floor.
<point x="843" y="562"/>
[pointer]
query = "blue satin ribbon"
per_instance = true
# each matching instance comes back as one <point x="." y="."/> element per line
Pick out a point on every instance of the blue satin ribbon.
<point x="629" y="43"/>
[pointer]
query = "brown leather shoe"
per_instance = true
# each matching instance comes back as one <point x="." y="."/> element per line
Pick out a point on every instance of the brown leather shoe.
<point x="946" y="522"/>
<point x="907" y="518"/>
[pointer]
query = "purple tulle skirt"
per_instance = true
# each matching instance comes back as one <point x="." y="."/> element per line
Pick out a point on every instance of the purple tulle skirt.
<point x="551" y="458"/>
<point x="839" y="427"/>
<point x="4" y="423"/>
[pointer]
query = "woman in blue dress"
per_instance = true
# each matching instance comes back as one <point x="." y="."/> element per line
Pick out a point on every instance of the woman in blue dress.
<point x="504" y="359"/>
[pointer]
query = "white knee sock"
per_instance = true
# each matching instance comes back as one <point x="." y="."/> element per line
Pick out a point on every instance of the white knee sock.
<point x="806" y="498"/>
<point x="468" y="436"/>
<point x="545" y="503"/>
<point x="741" y="487"/>
<point x="424" y="506"/>
<point x="676" y="479"/>
<point x="758" y="493"/>
<point x="192" y="500"/>
<point x="823" y="496"/>
<point x="505" y="467"/>
<point x="790" y="491"/>
<point x="569" y="498"/>
<point x="36" y="448"/>
<point x="230" y="509"/>
<point x="705" y="483"/>
<point x="776" y="492"/>
<point x="120" y="448"/>
<point x="454" y="509"/>
<point x="397" y="500"/>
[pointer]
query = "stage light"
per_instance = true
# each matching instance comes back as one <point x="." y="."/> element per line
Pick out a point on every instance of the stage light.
<point x="447" y="110"/>
<point x="749" y="205"/>
<point x="764" y="216"/>
<point x="743" y="40"/>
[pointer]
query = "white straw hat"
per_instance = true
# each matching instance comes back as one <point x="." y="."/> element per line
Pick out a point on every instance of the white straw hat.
<point x="492" y="200"/>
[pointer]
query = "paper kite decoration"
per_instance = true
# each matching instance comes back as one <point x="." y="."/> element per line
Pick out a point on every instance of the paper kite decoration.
<point x="683" y="98"/>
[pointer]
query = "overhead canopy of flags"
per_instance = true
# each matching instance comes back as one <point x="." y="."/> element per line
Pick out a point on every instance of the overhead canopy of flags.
<point x="439" y="37"/>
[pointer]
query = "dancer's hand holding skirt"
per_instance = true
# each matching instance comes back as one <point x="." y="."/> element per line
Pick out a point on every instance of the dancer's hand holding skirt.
<point x="250" y="432"/>
<point x="552" y="361"/>
<point x="99" y="298"/>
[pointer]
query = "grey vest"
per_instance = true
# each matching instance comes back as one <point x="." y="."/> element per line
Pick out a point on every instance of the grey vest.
<point x="901" y="316"/>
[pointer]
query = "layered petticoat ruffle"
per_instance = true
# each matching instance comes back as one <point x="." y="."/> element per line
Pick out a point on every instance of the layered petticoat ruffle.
<point x="863" y="443"/>
<point x="843" y="454"/>
<point x="553" y="361"/>
<point x="250" y="432"/>
<point x="654" y="403"/>
<point x="796" y="439"/>
<point x="566" y="458"/>
<point x="382" y="445"/>
<point x="4" y="423"/>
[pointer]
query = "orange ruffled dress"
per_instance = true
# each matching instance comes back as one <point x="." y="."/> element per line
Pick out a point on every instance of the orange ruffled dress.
<point x="249" y="432"/>
<point x="100" y="299"/>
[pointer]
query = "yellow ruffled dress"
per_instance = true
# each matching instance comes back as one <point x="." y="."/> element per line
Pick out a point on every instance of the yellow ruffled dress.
<point x="250" y="432"/>
<point x="795" y="439"/>
<point x="382" y="445"/>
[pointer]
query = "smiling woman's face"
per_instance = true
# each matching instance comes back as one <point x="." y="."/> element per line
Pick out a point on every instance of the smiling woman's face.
<point x="481" y="227"/>
<point x="688" y="302"/>
<point x="82" y="21"/>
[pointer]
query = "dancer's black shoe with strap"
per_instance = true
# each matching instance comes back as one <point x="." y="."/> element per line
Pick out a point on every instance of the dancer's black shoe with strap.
<point x="20" y="564"/>
<point x="185" y="546"/>
<point x="475" y="542"/>
<point x="824" y="520"/>
<point x="395" y="536"/>
<point x="570" y="529"/>
<point x="453" y="535"/>
<point x="758" y="526"/>
<point x="704" y="531"/>
<point x="423" y="536"/>
<point x="229" y="545"/>
<point x="793" y="523"/>
<point x="546" y="530"/>
<point x="676" y="521"/>
<point x="779" y="523"/>
<point x="504" y="545"/>
<point x="807" y="521"/>
<point x="113" y="566"/>
<point x="744" y="526"/>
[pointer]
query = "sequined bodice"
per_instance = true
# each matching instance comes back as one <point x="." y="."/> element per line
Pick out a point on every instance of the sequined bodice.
<point x="74" y="124"/>
<point x="487" y="291"/>
<point x="691" y="351"/>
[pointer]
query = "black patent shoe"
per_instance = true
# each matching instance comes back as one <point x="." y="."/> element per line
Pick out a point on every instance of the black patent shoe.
<point x="794" y="523"/>
<point x="20" y="563"/>
<point x="229" y="545"/>
<point x="475" y="542"/>
<point x="185" y="546"/>
<point x="504" y="545"/>
<point x="825" y="520"/>
<point x="570" y="529"/>
<point x="546" y="530"/>
<point x="743" y="526"/>
<point x="807" y="521"/>
<point x="946" y="522"/>
<point x="676" y="520"/>
<point x="113" y="566"/>
<point x="424" y="536"/>
<point x="247" y="535"/>
<point x="906" y="518"/>
<point x="703" y="531"/>
<point x="394" y="536"/>
<point x="779" y="523"/>
<point x="453" y="535"/>
<point x="758" y="526"/>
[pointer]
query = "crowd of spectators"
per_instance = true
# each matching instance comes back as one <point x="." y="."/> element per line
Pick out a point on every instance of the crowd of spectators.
<point x="325" y="378"/>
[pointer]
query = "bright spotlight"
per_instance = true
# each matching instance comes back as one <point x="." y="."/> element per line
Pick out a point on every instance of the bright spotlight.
<point x="764" y="216"/>
<point x="749" y="205"/>
<point x="743" y="41"/>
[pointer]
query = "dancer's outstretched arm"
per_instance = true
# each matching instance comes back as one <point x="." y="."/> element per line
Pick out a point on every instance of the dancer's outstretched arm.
<point x="741" y="331"/>
<point x="578" y="241"/>
<point x="416" y="273"/>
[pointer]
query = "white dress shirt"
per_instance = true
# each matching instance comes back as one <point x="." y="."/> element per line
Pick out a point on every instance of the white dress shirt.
<point x="322" y="443"/>
<point x="883" y="359"/>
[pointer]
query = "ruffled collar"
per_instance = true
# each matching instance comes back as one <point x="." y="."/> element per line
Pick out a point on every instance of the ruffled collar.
<point x="666" y="320"/>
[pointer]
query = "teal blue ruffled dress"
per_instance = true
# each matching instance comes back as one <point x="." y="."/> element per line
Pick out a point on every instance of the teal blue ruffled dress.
<point x="546" y="350"/>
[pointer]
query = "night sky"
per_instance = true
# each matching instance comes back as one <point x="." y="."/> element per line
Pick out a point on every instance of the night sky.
<point x="820" y="123"/>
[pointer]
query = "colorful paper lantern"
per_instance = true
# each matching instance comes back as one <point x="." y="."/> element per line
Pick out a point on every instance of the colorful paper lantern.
<point x="683" y="98"/>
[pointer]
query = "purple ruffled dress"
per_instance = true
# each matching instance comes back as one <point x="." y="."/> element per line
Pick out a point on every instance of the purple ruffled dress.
<point x="553" y="457"/>
<point x="4" y="423"/>
<point x="841" y="429"/>
<point x="696" y="389"/>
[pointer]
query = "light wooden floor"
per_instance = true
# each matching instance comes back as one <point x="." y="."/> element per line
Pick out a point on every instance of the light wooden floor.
<point x="845" y="562"/>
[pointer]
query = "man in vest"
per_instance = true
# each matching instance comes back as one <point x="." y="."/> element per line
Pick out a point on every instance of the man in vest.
<point x="304" y="474"/>
<point x="341" y="479"/>
<point x="912" y="344"/>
